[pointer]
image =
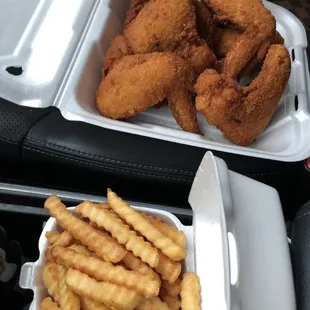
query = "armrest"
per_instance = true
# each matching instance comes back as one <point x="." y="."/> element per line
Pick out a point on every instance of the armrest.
<point x="301" y="256"/>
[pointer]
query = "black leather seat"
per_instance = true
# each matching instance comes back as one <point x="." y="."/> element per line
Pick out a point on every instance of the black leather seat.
<point x="38" y="146"/>
<point x="301" y="256"/>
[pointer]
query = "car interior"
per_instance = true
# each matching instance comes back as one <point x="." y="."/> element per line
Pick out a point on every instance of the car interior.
<point x="43" y="153"/>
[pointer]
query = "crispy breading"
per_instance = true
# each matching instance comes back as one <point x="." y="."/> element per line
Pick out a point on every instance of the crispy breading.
<point x="242" y="113"/>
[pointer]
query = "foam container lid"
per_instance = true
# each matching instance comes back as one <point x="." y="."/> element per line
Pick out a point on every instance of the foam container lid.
<point x="238" y="249"/>
<point x="59" y="47"/>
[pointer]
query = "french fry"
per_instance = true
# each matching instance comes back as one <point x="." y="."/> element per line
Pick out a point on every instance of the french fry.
<point x="190" y="292"/>
<point x="110" y="294"/>
<point x="172" y="289"/>
<point x="96" y="241"/>
<point x="48" y="255"/>
<point x="136" y="264"/>
<point x="50" y="279"/>
<point x="105" y="271"/>
<point x="153" y="304"/>
<point x="142" y="225"/>
<point x="65" y="239"/>
<point x="68" y="299"/>
<point x="80" y="249"/>
<point x="89" y="304"/>
<point x="121" y="232"/>
<point x="103" y="205"/>
<point x="168" y="269"/>
<point x="48" y="304"/>
<point x="52" y="236"/>
<point x="175" y="235"/>
<point x="173" y="302"/>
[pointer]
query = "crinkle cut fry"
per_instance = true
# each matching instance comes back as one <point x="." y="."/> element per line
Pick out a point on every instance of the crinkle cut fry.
<point x="175" y="235"/>
<point x="190" y="292"/>
<point x="153" y="304"/>
<point x="52" y="236"/>
<point x="121" y="232"/>
<point x="168" y="269"/>
<point x="81" y="249"/>
<point x="65" y="239"/>
<point x="68" y="299"/>
<point x="172" y="289"/>
<point x="89" y="304"/>
<point x="105" y="271"/>
<point x="51" y="279"/>
<point x="141" y="224"/>
<point x="110" y="294"/>
<point x="48" y="304"/>
<point x="173" y="301"/>
<point x="90" y="237"/>
<point x="136" y="264"/>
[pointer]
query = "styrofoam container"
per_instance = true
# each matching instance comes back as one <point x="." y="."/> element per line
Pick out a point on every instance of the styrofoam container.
<point x="237" y="243"/>
<point x="60" y="46"/>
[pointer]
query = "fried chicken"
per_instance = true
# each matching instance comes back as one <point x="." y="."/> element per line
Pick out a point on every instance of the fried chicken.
<point x="256" y="23"/>
<point x="137" y="82"/>
<point x="204" y="22"/>
<point x="242" y="113"/>
<point x="118" y="49"/>
<point x="169" y="26"/>
<point x="225" y="39"/>
<point x="134" y="9"/>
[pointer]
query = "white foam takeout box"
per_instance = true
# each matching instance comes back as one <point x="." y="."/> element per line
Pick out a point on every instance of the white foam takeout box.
<point x="60" y="46"/>
<point x="237" y="243"/>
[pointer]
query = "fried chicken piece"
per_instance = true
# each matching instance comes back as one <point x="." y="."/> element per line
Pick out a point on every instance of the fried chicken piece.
<point x="118" y="49"/>
<point x="138" y="82"/>
<point x="242" y="113"/>
<point x="169" y="26"/>
<point x="226" y="38"/>
<point x="204" y="22"/>
<point x="135" y="7"/>
<point x="257" y="24"/>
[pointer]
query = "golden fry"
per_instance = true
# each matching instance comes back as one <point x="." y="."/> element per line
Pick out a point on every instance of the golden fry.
<point x="52" y="236"/>
<point x="173" y="302"/>
<point x="68" y="299"/>
<point x="50" y="279"/>
<point x="136" y="264"/>
<point x="80" y="249"/>
<point x="172" y="289"/>
<point x="175" y="235"/>
<point x="89" y="304"/>
<point x="48" y="255"/>
<point x="190" y="292"/>
<point x="105" y="271"/>
<point x="110" y="294"/>
<point x="141" y="224"/>
<point x="48" y="304"/>
<point x="168" y="269"/>
<point x="96" y="241"/>
<point x="153" y="304"/>
<point x="65" y="239"/>
<point x="121" y="232"/>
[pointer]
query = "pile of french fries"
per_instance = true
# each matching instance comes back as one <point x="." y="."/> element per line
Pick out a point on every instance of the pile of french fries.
<point x="110" y="256"/>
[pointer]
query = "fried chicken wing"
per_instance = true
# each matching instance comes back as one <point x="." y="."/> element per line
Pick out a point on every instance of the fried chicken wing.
<point x="204" y="22"/>
<point x="118" y="49"/>
<point x="134" y="9"/>
<point x="137" y="82"/>
<point x="225" y="39"/>
<point x="169" y="26"/>
<point x="242" y="113"/>
<point x="256" y="23"/>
